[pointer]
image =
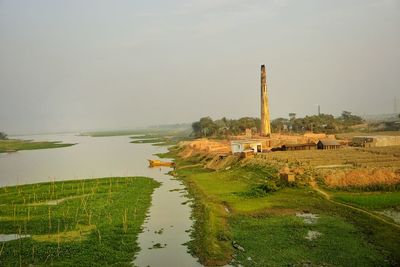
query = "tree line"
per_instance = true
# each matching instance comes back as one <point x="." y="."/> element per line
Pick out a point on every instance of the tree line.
<point x="322" y="123"/>
<point x="207" y="127"/>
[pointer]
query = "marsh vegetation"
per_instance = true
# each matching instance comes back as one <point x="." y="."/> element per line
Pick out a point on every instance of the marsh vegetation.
<point x="12" y="145"/>
<point x="75" y="223"/>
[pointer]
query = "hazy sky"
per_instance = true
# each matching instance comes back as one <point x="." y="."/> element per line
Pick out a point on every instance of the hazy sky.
<point x="78" y="65"/>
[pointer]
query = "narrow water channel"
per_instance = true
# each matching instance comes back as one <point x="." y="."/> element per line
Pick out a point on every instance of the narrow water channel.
<point x="166" y="228"/>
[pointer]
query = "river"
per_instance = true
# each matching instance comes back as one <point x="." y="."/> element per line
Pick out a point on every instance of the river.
<point x="168" y="221"/>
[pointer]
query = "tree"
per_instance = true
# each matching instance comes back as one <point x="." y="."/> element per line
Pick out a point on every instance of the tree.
<point x="208" y="126"/>
<point x="204" y="127"/>
<point x="346" y="114"/>
<point x="196" y="128"/>
<point x="3" y="136"/>
<point x="349" y="119"/>
<point x="279" y="124"/>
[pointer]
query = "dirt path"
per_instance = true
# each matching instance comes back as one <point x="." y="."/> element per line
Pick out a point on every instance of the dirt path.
<point x="369" y="213"/>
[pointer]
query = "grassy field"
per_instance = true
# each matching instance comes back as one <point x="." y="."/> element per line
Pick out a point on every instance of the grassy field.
<point x="74" y="223"/>
<point x="280" y="241"/>
<point x="370" y="200"/>
<point x="16" y="145"/>
<point x="229" y="209"/>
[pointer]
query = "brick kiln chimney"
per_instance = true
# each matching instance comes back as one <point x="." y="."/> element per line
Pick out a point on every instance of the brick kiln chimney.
<point x="265" y="121"/>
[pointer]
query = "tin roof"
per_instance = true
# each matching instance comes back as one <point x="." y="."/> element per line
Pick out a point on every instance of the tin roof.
<point x="329" y="142"/>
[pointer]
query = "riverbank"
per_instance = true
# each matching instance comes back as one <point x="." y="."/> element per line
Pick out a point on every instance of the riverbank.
<point x="13" y="145"/>
<point x="74" y="223"/>
<point x="245" y="215"/>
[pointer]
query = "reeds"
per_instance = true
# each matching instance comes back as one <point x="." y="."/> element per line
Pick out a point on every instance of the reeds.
<point x="33" y="253"/>
<point x="49" y="215"/>
<point x="100" y="210"/>
<point x="99" y="235"/>
<point x="14" y="213"/>
<point x="2" y="248"/>
<point x="125" y="221"/>
<point x="58" y="238"/>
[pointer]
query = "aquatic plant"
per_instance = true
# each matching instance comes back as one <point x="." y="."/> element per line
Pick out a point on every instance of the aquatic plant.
<point x="67" y="227"/>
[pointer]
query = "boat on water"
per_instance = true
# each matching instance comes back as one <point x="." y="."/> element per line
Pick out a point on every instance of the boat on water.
<point x="159" y="163"/>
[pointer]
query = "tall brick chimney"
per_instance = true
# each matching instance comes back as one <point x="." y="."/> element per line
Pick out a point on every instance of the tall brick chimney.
<point x="265" y="121"/>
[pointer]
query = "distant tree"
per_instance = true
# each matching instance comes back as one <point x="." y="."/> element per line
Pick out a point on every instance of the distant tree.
<point x="3" y="136"/>
<point x="196" y="127"/>
<point x="206" y="127"/>
<point x="279" y="124"/>
<point x="323" y="123"/>
<point x="349" y="119"/>
<point x="249" y="123"/>
<point x="346" y="114"/>
<point x="319" y="123"/>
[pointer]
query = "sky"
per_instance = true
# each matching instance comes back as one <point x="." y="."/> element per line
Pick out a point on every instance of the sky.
<point x="78" y="65"/>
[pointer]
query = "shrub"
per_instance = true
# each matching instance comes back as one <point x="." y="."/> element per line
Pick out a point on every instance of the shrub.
<point x="260" y="190"/>
<point x="268" y="186"/>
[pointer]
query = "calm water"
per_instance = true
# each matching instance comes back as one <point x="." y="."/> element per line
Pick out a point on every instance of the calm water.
<point x="105" y="157"/>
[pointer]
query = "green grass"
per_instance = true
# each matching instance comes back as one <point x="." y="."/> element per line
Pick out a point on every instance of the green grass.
<point x="267" y="226"/>
<point x="280" y="241"/>
<point x="96" y="223"/>
<point x="373" y="200"/>
<point x="16" y="145"/>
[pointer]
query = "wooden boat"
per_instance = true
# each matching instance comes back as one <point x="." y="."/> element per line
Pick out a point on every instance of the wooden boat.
<point x="159" y="163"/>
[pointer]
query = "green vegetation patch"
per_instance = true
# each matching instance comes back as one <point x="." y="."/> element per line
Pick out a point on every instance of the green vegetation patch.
<point x="12" y="145"/>
<point x="373" y="201"/>
<point x="288" y="241"/>
<point x="246" y="206"/>
<point x="74" y="223"/>
<point x="159" y="139"/>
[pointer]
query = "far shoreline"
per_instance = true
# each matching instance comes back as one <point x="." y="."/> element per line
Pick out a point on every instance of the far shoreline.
<point x="15" y="145"/>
